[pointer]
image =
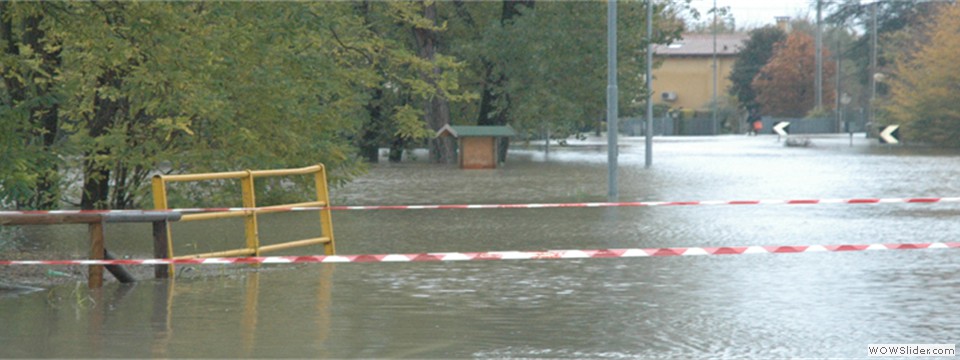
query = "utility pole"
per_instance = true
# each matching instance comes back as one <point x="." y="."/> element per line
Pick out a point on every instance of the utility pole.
<point x="612" y="101"/>
<point x="873" y="66"/>
<point x="819" y="78"/>
<point x="713" y="102"/>
<point x="838" y="91"/>
<point x="648" y="154"/>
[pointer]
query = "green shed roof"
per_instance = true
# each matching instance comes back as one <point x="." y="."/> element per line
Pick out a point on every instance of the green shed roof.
<point x="476" y="131"/>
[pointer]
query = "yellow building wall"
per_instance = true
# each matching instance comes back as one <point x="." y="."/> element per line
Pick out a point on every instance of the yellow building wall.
<point x="691" y="78"/>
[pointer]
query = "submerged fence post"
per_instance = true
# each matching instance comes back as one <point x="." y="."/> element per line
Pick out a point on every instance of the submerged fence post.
<point x="162" y="242"/>
<point x="95" y="273"/>
<point x="161" y="248"/>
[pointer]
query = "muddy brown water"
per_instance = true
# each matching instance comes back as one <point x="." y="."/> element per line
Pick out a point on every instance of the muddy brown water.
<point x="748" y="306"/>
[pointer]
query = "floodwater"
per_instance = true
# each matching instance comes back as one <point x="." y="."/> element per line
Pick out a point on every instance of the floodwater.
<point x="748" y="306"/>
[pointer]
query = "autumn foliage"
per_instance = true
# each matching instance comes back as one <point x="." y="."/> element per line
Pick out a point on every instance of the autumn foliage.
<point x="785" y="85"/>
<point x="925" y="86"/>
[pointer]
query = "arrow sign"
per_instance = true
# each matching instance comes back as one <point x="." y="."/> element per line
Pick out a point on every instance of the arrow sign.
<point x="890" y="135"/>
<point x="782" y="128"/>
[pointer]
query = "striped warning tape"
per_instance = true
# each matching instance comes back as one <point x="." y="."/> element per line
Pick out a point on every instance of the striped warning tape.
<point x="502" y="255"/>
<point x="925" y="200"/>
<point x="659" y="203"/>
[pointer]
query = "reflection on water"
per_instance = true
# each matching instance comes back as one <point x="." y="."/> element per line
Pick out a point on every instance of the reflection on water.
<point x="755" y="306"/>
<point x="220" y="316"/>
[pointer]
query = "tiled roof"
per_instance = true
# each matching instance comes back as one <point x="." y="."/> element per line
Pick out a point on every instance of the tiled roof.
<point x="702" y="45"/>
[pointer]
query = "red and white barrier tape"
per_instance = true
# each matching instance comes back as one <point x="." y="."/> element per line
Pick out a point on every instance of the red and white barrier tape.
<point x="502" y="255"/>
<point x="929" y="200"/>
<point x="658" y="203"/>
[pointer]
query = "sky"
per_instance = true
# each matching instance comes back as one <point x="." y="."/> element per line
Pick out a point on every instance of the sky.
<point x="755" y="13"/>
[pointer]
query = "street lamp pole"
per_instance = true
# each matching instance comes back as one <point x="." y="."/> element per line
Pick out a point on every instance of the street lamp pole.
<point x="648" y="155"/>
<point x="819" y="57"/>
<point x="873" y="66"/>
<point x="612" y="101"/>
<point x="714" y="97"/>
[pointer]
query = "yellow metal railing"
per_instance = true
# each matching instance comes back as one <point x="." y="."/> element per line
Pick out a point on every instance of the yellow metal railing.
<point x="253" y="247"/>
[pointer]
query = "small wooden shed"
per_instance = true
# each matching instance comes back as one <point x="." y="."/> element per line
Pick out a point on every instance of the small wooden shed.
<point x="478" y="144"/>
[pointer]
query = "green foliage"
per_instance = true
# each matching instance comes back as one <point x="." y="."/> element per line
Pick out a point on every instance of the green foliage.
<point x="405" y="80"/>
<point x="193" y="87"/>
<point x="553" y="58"/>
<point x="723" y="23"/>
<point x="924" y="94"/>
<point x="891" y="17"/>
<point x="819" y="113"/>
<point x="409" y="123"/>
<point x="110" y="93"/>
<point x="28" y="109"/>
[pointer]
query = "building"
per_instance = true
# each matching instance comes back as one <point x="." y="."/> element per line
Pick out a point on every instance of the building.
<point x="685" y="77"/>
<point x="477" y="146"/>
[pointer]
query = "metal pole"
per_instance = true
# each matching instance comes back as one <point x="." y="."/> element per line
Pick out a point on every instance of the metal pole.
<point x="849" y="127"/>
<point x="818" y="86"/>
<point x="546" y="151"/>
<point x="648" y="158"/>
<point x="612" y="101"/>
<point x="873" y="67"/>
<point x="713" y="115"/>
<point x="837" y="88"/>
<point x="118" y="272"/>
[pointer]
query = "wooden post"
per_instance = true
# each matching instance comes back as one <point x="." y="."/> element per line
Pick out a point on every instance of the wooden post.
<point x="95" y="274"/>
<point x="161" y="248"/>
<point x="95" y="225"/>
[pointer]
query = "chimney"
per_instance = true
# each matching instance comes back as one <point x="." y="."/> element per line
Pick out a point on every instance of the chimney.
<point x="783" y="22"/>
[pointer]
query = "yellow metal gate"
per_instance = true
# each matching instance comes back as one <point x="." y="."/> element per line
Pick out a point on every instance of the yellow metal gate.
<point x="250" y="209"/>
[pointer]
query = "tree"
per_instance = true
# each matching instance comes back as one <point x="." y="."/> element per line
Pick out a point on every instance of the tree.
<point x="29" y="130"/>
<point x="725" y="22"/>
<point x="436" y="108"/>
<point x="552" y="56"/>
<point x="99" y="96"/>
<point x="785" y="85"/>
<point x="756" y="52"/>
<point x="923" y="88"/>
<point x="494" y="80"/>
<point x="416" y="82"/>
<point x="194" y="86"/>
<point x="142" y="87"/>
<point x="533" y="64"/>
<point x="891" y="17"/>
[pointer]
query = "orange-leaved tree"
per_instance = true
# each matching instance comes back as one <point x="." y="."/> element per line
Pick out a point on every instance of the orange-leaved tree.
<point x="925" y="84"/>
<point x="785" y="85"/>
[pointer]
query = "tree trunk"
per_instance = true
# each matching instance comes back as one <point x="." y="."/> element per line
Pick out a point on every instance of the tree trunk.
<point x="371" y="132"/>
<point x="495" y="81"/>
<point x="396" y="149"/>
<point x="437" y="108"/>
<point x="96" y="172"/>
